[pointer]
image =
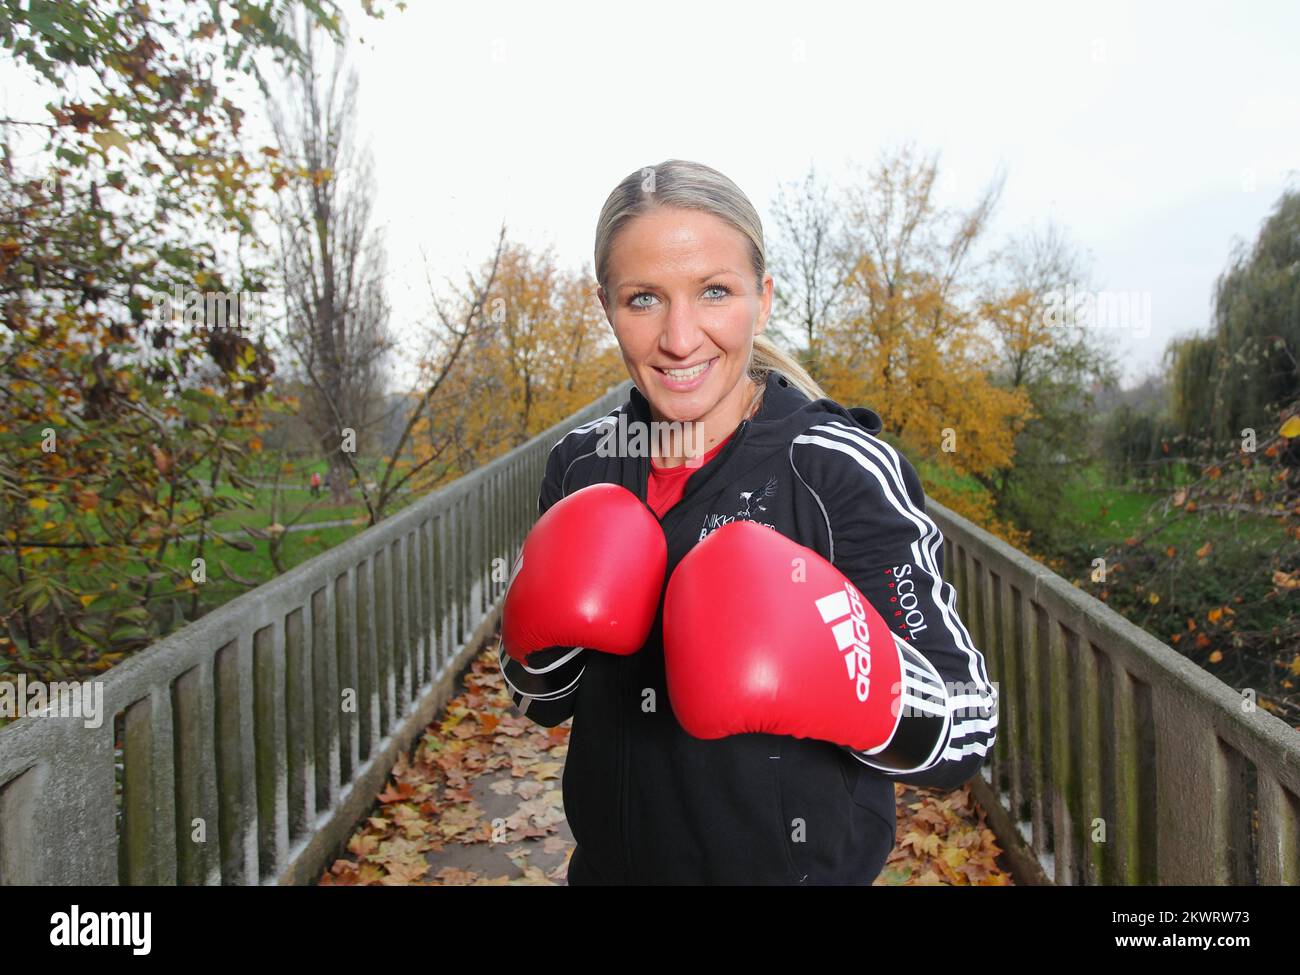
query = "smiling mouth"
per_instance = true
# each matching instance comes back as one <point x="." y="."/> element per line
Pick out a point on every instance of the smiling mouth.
<point x="688" y="373"/>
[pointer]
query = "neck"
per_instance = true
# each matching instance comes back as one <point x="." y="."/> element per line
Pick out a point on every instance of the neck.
<point x="690" y="440"/>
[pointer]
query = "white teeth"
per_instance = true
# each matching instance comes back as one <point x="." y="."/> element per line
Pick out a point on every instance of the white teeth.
<point x="684" y="374"/>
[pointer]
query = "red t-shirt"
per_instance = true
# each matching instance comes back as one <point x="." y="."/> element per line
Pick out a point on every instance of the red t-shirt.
<point x="667" y="484"/>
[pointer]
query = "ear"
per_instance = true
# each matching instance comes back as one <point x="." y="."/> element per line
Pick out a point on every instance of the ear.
<point x="764" y="304"/>
<point x="604" y="304"/>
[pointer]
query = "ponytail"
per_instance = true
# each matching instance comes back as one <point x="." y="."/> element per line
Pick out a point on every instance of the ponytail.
<point x="767" y="355"/>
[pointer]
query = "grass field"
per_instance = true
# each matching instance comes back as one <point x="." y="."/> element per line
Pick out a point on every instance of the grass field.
<point x="1109" y="514"/>
<point x="171" y="606"/>
<point x="1103" y="513"/>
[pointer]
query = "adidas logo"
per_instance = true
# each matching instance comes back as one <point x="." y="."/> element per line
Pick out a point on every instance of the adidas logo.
<point x="843" y="609"/>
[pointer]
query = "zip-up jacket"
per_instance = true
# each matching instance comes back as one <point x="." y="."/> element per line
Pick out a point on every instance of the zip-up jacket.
<point x="647" y="802"/>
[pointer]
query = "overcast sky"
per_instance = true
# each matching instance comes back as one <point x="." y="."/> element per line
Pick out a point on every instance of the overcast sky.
<point x="1154" y="133"/>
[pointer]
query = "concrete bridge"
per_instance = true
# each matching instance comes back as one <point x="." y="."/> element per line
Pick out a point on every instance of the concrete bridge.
<point x="1117" y="760"/>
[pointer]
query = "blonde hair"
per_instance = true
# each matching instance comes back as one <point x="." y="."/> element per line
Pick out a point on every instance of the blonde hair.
<point x="684" y="185"/>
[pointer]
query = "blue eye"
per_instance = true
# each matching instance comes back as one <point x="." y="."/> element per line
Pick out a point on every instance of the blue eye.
<point x="726" y="293"/>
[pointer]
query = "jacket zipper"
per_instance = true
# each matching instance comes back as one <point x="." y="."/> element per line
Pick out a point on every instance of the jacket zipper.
<point x="625" y="744"/>
<point x="693" y="483"/>
<point x="625" y="785"/>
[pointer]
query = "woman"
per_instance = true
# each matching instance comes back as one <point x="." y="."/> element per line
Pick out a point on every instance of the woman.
<point x="682" y="278"/>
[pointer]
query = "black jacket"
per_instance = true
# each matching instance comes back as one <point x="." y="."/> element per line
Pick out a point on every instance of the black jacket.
<point x="647" y="802"/>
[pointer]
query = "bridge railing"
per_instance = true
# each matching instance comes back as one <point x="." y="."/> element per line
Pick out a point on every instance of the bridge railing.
<point x="1117" y="760"/>
<point x="244" y="747"/>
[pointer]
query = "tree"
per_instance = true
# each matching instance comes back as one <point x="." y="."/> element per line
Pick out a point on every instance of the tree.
<point x="442" y="405"/>
<point x="332" y="259"/>
<point x="806" y="256"/>
<point x="908" y="338"/>
<point x="544" y="352"/>
<point x="1059" y="369"/>
<point x="120" y="409"/>
<point x="1244" y="372"/>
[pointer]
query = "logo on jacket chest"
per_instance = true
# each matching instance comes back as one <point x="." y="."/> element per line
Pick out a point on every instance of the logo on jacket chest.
<point x="751" y="505"/>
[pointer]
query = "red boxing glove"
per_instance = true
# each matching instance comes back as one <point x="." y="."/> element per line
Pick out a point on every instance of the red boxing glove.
<point x="762" y="634"/>
<point x="590" y="574"/>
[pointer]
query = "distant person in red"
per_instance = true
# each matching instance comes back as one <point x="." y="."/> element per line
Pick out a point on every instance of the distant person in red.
<point x="315" y="484"/>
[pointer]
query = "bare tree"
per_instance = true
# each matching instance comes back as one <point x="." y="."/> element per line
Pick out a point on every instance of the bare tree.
<point x="440" y="405"/>
<point x="808" y="261"/>
<point x="1061" y="370"/>
<point x="1038" y="262"/>
<point x="903" y="241"/>
<point x="332" y="258"/>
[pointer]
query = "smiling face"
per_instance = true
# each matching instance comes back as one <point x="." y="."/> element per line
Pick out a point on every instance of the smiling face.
<point x="684" y="310"/>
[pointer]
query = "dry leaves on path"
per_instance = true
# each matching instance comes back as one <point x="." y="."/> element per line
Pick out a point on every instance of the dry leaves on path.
<point x="942" y="839"/>
<point x="429" y="804"/>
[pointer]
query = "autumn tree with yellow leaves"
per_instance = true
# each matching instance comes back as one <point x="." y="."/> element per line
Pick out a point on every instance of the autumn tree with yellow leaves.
<point x="896" y="301"/>
<point x="905" y="332"/>
<point x="543" y="352"/>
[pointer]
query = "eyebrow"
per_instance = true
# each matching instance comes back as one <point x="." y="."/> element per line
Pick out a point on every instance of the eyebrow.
<point x="699" y="280"/>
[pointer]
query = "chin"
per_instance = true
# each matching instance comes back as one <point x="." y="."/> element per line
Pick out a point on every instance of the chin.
<point x="676" y="413"/>
<point x="681" y="407"/>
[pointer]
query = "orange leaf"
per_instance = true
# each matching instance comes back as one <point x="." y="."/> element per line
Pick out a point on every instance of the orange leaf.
<point x="398" y="793"/>
<point x="1285" y="580"/>
<point x="161" y="459"/>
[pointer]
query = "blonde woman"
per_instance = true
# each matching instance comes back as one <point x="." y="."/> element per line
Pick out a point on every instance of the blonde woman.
<point x="734" y="721"/>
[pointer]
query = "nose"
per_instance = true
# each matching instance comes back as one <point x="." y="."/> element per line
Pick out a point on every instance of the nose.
<point x="681" y="334"/>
